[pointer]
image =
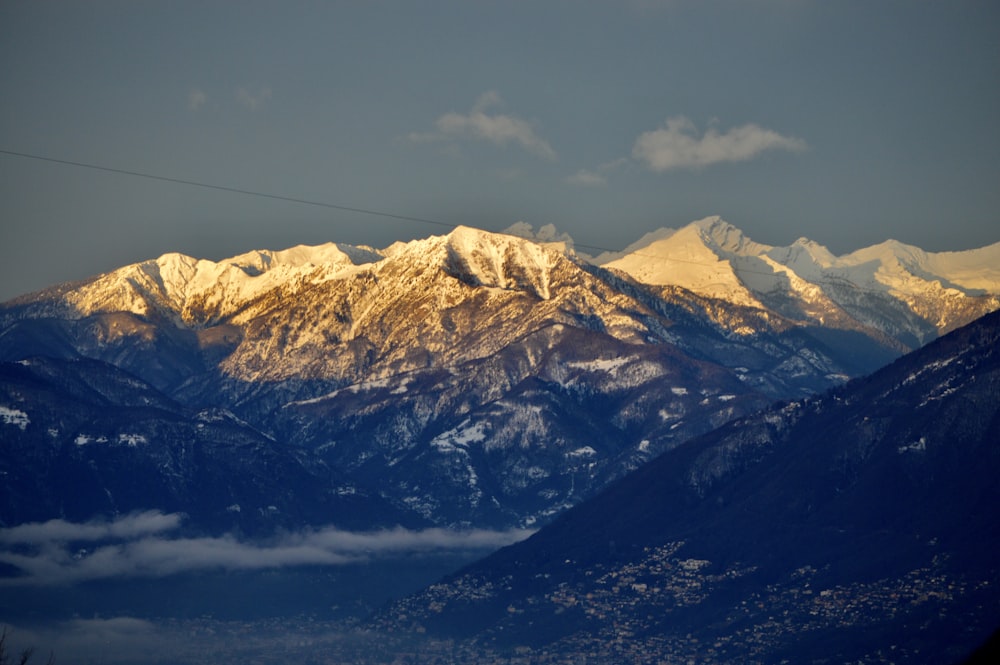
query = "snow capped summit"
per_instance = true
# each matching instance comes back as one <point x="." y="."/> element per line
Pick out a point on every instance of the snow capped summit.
<point x="722" y="236"/>
<point x="895" y="288"/>
<point x="890" y="289"/>
<point x="198" y="291"/>
<point x="691" y="257"/>
<point x="501" y="261"/>
<point x="497" y="357"/>
<point x="806" y="257"/>
<point x="973" y="272"/>
<point x="329" y="254"/>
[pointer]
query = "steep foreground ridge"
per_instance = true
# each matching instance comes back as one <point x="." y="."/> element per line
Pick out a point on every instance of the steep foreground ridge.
<point x="857" y="526"/>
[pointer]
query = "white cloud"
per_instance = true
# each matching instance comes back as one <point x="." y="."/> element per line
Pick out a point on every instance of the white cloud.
<point x="678" y="145"/>
<point x="196" y="99"/>
<point x="253" y="99"/>
<point x="60" y="552"/>
<point x="587" y="178"/>
<point x="480" y="124"/>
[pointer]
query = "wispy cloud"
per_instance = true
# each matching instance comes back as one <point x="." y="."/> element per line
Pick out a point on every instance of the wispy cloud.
<point x="482" y="125"/>
<point x="196" y="99"/>
<point x="252" y="100"/>
<point x="678" y="145"/>
<point x="587" y="178"/>
<point x="60" y="552"/>
<point x="596" y="177"/>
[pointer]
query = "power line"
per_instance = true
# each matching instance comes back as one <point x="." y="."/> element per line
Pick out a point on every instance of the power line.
<point x="345" y="208"/>
<point x="224" y="188"/>
<point x="251" y="192"/>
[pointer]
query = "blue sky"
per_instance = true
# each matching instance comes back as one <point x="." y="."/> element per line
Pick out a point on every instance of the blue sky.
<point x="845" y="122"/>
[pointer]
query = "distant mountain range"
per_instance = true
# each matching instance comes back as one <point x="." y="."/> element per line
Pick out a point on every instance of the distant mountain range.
<point x="468" y="379"/>
<point x="909" y="294"/>
<point x="860" y="525"/>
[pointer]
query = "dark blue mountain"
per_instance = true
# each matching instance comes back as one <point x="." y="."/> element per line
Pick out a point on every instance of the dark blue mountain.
<point x="862" y="525"/>
<point x="80" y="438"/>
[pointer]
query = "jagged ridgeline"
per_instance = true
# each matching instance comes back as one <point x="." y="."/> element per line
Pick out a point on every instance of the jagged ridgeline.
<point x="468" y="379"/>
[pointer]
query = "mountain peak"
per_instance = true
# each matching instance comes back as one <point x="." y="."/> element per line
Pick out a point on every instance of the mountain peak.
<point x="497" y="260"/>
<point x="546" y="234"/>
<point x="695" y="257"/>
<point x="719" y="234"/>
<point x="805" y="257"/>
<point x="199" y="291"/>
<point x="921" y="294"/>
<point x="890" y="251"/>
<point x="327" y="254"/>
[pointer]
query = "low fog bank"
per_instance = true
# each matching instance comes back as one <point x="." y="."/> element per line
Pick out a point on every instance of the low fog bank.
<point x="135" y="589"/>
<point x="147" y="544"/>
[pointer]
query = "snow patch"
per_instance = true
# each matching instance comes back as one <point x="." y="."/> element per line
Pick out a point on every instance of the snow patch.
<point x="601" y="365"/>
<point x="461" y="437"/>
<point x="14" y="417"/>
<point x="131" y="440"/>
<point x="940" y="392"/>
<point x="929" y="367"/>
<point x="918" y="446"/>
<point x="403" y="387"/>
<point x="361" y="387"/>
<point x="375" y="384"/>
<point x="666" y="415"/>
<point x="536" y="473"/>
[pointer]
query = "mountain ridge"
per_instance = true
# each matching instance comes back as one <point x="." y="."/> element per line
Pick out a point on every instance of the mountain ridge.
<point x="854" y="525"/>
<point x="713" y="258"/>
<point x="477" y="378"/>
<point x="716" y="241"/>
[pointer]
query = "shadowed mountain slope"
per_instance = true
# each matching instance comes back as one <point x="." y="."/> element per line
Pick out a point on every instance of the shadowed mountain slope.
<point x="858" y="525"/>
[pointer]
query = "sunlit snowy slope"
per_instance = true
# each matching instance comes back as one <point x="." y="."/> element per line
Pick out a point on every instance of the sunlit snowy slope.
<point x="475" y="377"/>
<point x="908" y="293"/>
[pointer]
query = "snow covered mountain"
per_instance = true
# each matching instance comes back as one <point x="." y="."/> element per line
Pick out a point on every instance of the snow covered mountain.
<point x="901" y="290"/>
<point x="489" y="379"/>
